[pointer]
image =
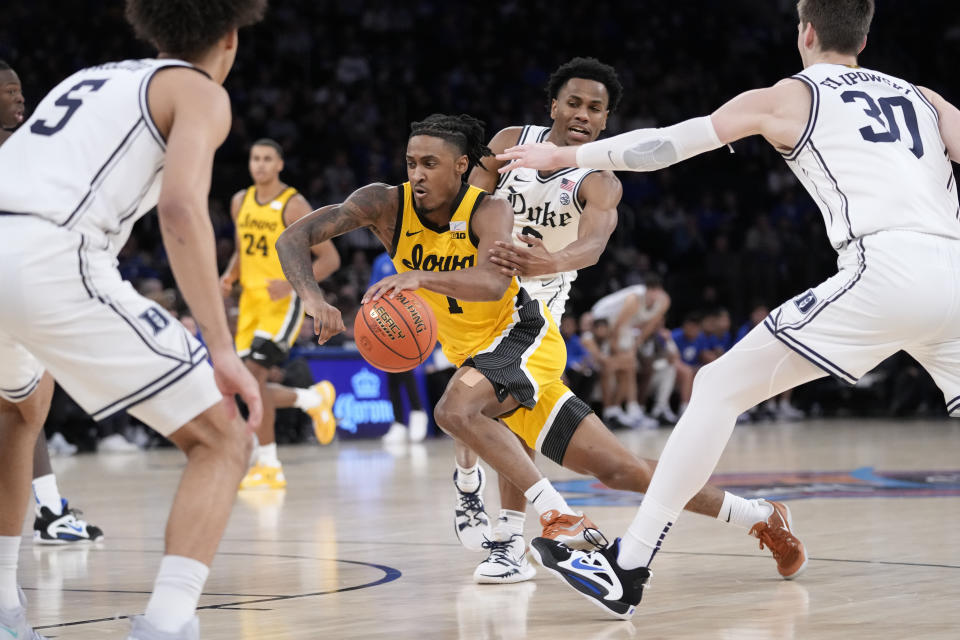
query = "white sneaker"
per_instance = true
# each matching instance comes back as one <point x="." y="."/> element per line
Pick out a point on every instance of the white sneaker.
<point x="140" y="629"/>
<point x="786" y="411"/>
<point x="506" y="564"/>
<point x="396" y="434"/>
<point x="640" y="421"/>
<point x="58" y="445"/>
<point x="471" y="523"/>
<point x="116" y="443"/>
<point x="664" y="413"/>
<point x="418" y="426"/>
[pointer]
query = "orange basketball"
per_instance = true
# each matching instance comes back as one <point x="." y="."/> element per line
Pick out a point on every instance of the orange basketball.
<point x="395" y="334"/>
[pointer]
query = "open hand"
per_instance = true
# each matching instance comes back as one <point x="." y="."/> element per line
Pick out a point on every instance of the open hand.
<point x="534" y="155"/>
<point x="327" y="321"/>
<point x="392" y="285"/>
<point x="529" y="259"/>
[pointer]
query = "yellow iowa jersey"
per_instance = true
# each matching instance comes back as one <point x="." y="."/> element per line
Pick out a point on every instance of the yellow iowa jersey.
<point x="258" y="227"/>
<point x="464" y="327"/>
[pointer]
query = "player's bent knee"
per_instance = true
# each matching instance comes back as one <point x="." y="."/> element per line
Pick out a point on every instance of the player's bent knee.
<point x="451" y="419"/>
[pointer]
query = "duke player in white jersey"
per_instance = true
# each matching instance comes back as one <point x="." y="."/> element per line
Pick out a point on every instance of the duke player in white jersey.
<point x="875" y="152"/>
<point x="103" y="148"/>
<point x="562" y="221"/>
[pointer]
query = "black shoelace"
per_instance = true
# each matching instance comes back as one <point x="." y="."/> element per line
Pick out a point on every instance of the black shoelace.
<point x="499" y="551"/>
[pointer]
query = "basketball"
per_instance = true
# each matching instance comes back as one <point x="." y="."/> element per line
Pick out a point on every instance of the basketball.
<point x="395" y="334"/>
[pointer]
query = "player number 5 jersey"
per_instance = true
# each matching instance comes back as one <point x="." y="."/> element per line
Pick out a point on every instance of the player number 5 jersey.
<point x="872" y="157"/>
<point x="90" y="158"/>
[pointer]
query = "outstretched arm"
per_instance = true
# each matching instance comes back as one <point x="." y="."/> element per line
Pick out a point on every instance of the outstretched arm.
<point x="778" y="113"/>
<point x="601" y="193"/>
<point x="492" y="221"/>
<point x="372" y="206"/>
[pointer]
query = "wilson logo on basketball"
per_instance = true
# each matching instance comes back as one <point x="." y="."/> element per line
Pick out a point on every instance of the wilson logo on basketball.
<point x="434" y="262"/>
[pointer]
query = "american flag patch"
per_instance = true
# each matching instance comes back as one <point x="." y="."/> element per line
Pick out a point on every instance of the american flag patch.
<point x="567" y="185"/>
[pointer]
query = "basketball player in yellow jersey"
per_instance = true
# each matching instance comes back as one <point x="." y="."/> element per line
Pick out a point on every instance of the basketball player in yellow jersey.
<point x="270" y="312"/>
<point x="440" y="233"/>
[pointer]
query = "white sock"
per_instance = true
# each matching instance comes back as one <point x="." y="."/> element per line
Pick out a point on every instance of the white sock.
<point x="646" y="533"/>
<point x="307" y="398"/>
<point x="544" y="498"/>
<point x="176" y="593"/>
<point x="9" y="553"/>
<point x="267" y="456"/>
<point x="46" y="493"/>
<point x="468" y="478"/>
<point x="742" y="512"/>
<point x="509" y="523"/>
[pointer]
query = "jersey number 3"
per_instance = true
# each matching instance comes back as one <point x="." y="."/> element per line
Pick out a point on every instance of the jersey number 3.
<point x="890" y="130"/>
<point x="71" y="105"/>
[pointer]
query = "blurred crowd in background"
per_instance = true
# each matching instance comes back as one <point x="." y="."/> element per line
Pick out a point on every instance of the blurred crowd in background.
<point x="337" y="83"/>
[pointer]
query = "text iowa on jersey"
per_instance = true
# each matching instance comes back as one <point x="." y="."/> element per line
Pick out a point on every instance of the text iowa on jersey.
<point x="434" y="262"/>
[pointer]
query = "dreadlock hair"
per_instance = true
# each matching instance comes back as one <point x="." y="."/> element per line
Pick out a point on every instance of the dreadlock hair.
<point x="187" y="28"/>
<point x="4" y="66"/>
<point x="590" y="69"/>
<point x="463" y="131"/>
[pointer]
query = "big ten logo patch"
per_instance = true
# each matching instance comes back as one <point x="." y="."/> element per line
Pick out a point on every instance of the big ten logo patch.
<point x="155" y="319"/>
<point x="806" y="301"/>
<point x="458" y="229"/>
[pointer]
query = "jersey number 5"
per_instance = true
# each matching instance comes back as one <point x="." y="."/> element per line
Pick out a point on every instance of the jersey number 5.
<point x="890" y="131"/>
<point x="70" y="104"/>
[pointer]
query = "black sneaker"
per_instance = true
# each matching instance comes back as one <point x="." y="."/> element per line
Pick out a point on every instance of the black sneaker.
<point x="594" y="574"/>
<point x="66" y="528"/>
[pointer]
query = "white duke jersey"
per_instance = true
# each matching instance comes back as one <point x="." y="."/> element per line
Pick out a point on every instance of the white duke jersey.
<point x="546" y="207"/>
<point x="90" y="158"/>
<point x="872" y="158"/>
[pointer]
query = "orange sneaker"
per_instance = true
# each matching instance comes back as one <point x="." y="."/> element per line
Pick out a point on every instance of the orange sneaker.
<point x="324" y="422"/>
<point x="575" y="531"/>
<point x="777" y="535"/>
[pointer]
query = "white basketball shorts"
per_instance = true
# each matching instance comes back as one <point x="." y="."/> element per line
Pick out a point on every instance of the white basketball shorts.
<point x="554" y="291"/>
<point x="895" y="290"/>
<point x="64" y="307"/>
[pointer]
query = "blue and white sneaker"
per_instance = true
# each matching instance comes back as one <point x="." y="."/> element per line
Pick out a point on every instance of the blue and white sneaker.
<point x="506" y="564"/>
<point x="594" y="574"/>
<point x="471" y="523"/>
<point x="140" y="629"/>
<point x="66" y="528"/>
<point x="13" y="622"/>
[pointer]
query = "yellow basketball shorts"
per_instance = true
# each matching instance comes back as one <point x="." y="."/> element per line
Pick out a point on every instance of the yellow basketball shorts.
<point x="526" y="362"/>
<point x="266" y="329"/>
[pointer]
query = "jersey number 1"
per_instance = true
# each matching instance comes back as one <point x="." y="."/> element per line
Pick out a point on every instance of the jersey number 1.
<point x="890" y="131"/>
<point x="453" y="305"/>
<point x="70" y="104"/>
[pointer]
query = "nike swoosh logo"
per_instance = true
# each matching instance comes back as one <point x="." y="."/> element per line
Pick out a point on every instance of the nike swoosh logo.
<point x="413" y="233"/>
<point x="610" y="155"/>
<point x="613" y="588"/>
<point x="13" y="633"/>
<point x="517" y="179"/>
<point x="572" y="528"/>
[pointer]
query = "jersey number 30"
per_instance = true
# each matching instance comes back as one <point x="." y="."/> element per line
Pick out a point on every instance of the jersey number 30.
<point x="890" y="130"/>
<point x="71" y="105"/>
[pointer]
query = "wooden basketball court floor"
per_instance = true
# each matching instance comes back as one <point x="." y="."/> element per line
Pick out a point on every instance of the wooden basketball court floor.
<point x="361" y="545"/>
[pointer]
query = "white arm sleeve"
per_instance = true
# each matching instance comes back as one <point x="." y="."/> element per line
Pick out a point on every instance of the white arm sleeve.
<point x="650" y="149"/>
